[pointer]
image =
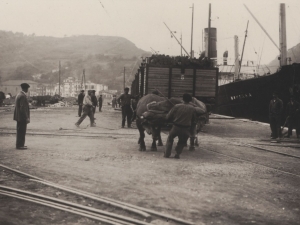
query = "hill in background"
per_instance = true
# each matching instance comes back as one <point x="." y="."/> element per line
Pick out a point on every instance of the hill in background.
<point x="102" y="57"/>
<point x="293" y="52"/>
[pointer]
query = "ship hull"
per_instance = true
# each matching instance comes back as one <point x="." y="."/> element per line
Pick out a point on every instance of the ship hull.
<point x="250" y="98"/>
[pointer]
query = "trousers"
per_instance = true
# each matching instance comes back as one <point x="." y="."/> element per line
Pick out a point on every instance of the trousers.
<point x="79" y="110"/>
<point x="126" y="114"/>
<point x="21" y="132"/>
<point x="87" y="111"/>
<point x="183" y="134"/>
<point x="100" y="107"/>
<point x="275" y="126"/>
<point x="293" y="122"/>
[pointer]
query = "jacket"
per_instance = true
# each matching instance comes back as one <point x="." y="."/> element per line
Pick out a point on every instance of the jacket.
<point x="275" y="107"/>
<point x="21" y="112"/>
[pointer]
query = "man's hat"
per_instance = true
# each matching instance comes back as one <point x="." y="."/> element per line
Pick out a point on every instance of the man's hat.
<point x="93" y="91"/>
<point x="126" y="88"/>
<point x="25" y="85"/>
<point x="82" y="91"/>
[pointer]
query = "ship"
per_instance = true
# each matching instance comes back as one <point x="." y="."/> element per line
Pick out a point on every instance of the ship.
<point x="250" y="98"/>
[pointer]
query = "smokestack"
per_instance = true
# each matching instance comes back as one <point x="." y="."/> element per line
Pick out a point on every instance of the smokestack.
<point x="282" y="35"/>
<point x="212" y="43"/>
<point x="225" y="56"/>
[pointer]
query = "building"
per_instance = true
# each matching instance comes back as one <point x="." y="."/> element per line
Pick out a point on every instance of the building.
<point x="71" y="87"/>
<point x="13" y="87"/>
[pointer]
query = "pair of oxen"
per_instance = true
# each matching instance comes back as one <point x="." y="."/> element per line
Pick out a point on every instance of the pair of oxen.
<point x="151" y="111"/>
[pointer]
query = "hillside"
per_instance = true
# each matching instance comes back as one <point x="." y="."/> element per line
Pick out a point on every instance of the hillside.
<point x="102" y="57"/>
<point x="293" y="52"/>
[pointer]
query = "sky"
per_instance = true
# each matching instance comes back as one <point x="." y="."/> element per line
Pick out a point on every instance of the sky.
<point x="142" y="22"/>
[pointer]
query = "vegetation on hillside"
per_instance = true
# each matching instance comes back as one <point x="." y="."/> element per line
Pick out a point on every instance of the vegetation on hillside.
<point x="102" y="57"/>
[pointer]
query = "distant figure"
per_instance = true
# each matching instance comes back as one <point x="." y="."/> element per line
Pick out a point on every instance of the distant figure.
<point x="183" y="116"/>
<point x="22" y="116"/>
<point x="125" y="101"/>
<point x="80" y="102"/>
<point x="2" y="97"/>
<point x="114" y="102"/>
<point x="87" y="110"/>
<point x="275" y="111"/>
<point x="155" y="92"/>
<point x="100" y="101"/>
<point x="293" y="117"/>
<point x="94" y="101"/>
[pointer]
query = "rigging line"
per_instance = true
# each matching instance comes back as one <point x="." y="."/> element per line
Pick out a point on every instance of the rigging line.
<point x="103" y="7"/>
<point x="261" y="52"/>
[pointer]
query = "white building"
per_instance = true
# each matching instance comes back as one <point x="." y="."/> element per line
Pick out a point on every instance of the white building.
<point x="71" y="87"/>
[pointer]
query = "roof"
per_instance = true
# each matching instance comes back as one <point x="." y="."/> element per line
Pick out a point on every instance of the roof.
<point x="17" y="82"/>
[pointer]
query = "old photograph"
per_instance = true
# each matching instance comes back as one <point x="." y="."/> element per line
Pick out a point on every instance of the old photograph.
<point x="149" y="112"/>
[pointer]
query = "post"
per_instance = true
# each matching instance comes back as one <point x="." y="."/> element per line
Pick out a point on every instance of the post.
<point x="124" y="78"/>
<point x="59" y="78"/>
<point x="192" y="31"/>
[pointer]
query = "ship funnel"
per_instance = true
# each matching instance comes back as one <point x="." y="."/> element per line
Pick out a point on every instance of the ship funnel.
<point x="225" y="56"/>
<point x="282" y="35"/>
<point x="213" y="43"/>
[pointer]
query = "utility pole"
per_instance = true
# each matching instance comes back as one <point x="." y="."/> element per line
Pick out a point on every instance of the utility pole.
<point x="59" y="78"/>
<point x="83" y="79"/>
<point x="124" y="78"/>
<point x="192" y="31"/>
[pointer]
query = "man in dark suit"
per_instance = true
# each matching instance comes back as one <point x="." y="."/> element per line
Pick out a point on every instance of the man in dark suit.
<point x="22" y="116"/>
<point x="100" y="100"/>
<point x="275" y="112"/>
<point x="94" y="101"/>
<point x="80" y="102"/>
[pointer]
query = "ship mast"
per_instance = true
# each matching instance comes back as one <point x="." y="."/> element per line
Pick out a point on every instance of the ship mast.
<point x="192" y="55"/>
<point x="282" y="35"/>
<point x="243" y="50"/>
<point x="208" y="35"/>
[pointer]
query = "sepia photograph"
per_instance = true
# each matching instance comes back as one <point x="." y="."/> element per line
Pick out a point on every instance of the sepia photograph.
<point x="149" y="112"/>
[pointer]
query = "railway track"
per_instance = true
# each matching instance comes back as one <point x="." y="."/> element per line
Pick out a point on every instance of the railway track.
<point x="140" y="215"/>
<point x="253" y="147"/>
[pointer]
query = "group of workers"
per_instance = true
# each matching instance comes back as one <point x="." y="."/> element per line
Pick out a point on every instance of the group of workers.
<point x="88" y="104"/>
<point x="181" y="115"/>
<point x="292" y="115"/>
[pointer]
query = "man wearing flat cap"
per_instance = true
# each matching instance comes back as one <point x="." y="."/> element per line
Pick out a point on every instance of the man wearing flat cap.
<point x="275" y="111"/>
<point x="125" y="101"/>
<point x="22" y="116"/>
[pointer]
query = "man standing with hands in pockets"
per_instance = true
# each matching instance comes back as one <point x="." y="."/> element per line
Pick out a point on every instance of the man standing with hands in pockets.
<point x="22" y="116"/>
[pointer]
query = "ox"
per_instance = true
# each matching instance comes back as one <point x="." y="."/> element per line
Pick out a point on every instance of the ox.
<point x="151" y="115"/>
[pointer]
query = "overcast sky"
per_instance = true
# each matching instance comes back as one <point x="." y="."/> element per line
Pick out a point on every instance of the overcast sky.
<point x="141" y="21"/>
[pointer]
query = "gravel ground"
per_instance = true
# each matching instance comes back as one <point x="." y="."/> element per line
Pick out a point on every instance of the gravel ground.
<point x="203" y="186"/>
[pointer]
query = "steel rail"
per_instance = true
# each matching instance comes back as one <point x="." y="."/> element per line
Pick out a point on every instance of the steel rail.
<point x="67" y="135"/>
<point x="126" y="206"/>
<point x="97" y="197"/>
<point x="75" y="205"/>
<point x="251" y="162"/>
<point x="65" y="208"/>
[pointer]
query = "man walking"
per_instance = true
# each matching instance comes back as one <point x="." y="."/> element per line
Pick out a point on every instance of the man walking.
<point x="22" y="116"/>
<point x="183" y="116"/>
<point x="125" y="101"/>
<point x="80" y="102"/>
<point x="275" y="111"/>
<point x="87" y="110"/>
<point x="94" y="101"/>
<point x="292" y="112"/>
<point x="100" y="100"/>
